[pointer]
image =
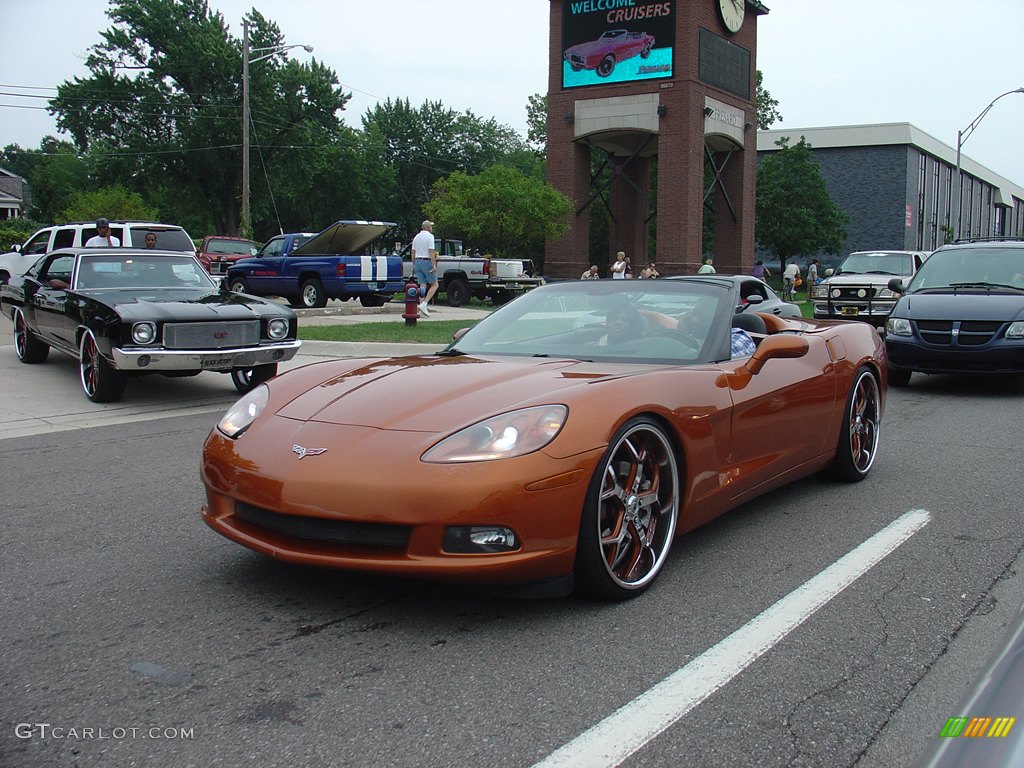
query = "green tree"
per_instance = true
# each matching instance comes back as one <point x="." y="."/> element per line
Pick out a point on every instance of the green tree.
<point x="161" y="108"/>
<point x="795" y="213"/>
<point x="500" y="210"/>
<point x="767" y="107"/>
<point x="108" y="202"/>
<point x="54" y="172"/>
<point x="537" y="122"/>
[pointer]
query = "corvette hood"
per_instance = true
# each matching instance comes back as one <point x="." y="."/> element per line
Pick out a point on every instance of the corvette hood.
<point x="963" y="305"/>
<point x="428" y="394"/>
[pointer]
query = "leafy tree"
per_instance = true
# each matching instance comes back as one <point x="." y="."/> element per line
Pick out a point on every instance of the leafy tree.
<point x="109" y="202"/>
<point x="767" y="107"/>
<point x="54" y="172"/>
<point x="421" y="145"/>
<point x="795" y="213"/>
<point x="500" y="210"/>
<point x="537" y="121"/>
<point x="162" y="105"/>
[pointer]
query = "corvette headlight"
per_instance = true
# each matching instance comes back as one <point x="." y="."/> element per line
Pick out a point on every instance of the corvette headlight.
<point x="898" y="326"/>
<point x="277" y="328"/>
<point x="143" y="333"/>
<point x="244" y="412"/>
<point x="501" y="437"/>
<point x="1016" y="330"/>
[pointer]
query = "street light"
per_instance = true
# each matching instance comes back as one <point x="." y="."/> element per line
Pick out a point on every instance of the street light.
<point x="265" y="53"/>
<point x="961" y="137"/>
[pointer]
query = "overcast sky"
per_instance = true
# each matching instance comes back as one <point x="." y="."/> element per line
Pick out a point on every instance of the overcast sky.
<point x="933" y="63"/>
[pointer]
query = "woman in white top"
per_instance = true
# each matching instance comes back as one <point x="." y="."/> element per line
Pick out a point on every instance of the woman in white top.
<point x="619" y="267"/>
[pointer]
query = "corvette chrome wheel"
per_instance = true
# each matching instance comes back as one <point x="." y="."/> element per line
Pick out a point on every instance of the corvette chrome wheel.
<point x="630" y="516"/>
<point x="858" y="441"/>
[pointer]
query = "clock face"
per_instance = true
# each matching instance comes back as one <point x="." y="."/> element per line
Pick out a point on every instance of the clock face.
<point x="732" y="13"/>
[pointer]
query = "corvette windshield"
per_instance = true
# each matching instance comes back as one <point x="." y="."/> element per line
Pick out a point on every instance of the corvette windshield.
<point x="140" y="271"/>
<point x="644" y="321"/>
<point x="975" y="267"/>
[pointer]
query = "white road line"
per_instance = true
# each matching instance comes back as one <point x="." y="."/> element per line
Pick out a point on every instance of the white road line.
<point x="619" y="735"/>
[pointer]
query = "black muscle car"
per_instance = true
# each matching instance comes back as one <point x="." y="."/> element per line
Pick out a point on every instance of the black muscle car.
<point x="126" y="312"/>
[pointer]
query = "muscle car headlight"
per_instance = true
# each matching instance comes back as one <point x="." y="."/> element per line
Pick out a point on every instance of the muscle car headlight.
<point x="501" y="437"/>
<point x="144" y="333"/>
<point x="277" y="328"/>
<point x="898" y="326"/>
<point x="244" y="412"/>
<point x="1016" y="330"/>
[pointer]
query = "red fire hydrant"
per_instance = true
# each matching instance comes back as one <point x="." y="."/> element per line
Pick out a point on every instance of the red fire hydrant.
<point x="412" y="302"/>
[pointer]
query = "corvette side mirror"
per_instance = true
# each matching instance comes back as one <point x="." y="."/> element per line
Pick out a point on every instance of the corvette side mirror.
<point x="777" y="346"/>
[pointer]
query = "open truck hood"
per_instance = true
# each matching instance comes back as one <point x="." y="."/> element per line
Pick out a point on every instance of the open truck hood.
<point x="344" y="238"/>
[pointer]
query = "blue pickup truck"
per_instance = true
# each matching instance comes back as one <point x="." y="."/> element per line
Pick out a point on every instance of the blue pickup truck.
<point x="308" y="269"/>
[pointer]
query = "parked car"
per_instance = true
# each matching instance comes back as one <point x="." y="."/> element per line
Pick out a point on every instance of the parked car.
<point x="962" y="312"/>
<point x="75" y="235"/>
<point x="609" y="49"/>
<point x="217" y="252"/>
<point x="754" y="294"/>
<point x="126" y="312"/>
<point x="533" y="452"/>
<point x="859" y="287"/>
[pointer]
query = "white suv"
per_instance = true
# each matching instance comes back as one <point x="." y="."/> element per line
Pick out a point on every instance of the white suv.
<point x="859" y="289"/>
<point x="169" y="237"/>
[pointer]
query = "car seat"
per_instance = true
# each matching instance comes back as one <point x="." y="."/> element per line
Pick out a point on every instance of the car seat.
<point x="751" y="323"/>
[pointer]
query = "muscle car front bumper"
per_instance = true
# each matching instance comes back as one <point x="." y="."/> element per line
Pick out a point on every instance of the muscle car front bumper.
<point x="160" y="359"/>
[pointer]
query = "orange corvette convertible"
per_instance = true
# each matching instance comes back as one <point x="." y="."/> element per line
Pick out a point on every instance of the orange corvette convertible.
<point x="565" y="441"/>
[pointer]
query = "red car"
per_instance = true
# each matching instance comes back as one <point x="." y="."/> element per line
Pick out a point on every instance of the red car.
<point x="218" y="252"/>
<point x="540" y="448"/>
<point x="613" y="46"/>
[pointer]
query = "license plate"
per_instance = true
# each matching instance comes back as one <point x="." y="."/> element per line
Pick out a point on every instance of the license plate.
<point x="849" y="311"/>
<point x="215" y="362"/>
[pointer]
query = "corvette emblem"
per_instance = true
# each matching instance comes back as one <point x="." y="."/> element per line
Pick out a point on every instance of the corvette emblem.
<point x="304" y="452"/>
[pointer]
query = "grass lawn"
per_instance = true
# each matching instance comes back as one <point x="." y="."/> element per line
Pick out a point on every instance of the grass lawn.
<point x="424" y="332"/>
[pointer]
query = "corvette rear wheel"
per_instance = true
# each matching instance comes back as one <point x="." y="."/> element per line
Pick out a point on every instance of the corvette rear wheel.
<point x="858" y="441"/>
<point x="630" y="513"/>
<point x="28" y="347"/>
<point x="245" y="379"/>
<point x="102" y="384"/>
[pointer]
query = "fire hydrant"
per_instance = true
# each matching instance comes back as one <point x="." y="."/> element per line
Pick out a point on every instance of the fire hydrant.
<point x="412" y="302"/>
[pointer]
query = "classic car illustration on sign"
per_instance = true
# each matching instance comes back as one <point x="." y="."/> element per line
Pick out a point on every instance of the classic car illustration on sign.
<point x="125" y="312"/>
<point x="613" y="46"/>
<point x="542" y="452"/>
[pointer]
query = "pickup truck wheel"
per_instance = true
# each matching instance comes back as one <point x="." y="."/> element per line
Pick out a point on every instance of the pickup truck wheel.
<point x="238" y="285"/>
<point x="457" y="292"/>
<point x="374" y="300"/>
<point x="102" y="384"/>
<point x="245" y="379"/>
<point x="313" y="296"/>
<point x="28" y="347"/>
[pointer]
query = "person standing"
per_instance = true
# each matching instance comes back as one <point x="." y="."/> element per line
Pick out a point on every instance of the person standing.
<point x="812" y="277"/>
<point x="707" y="268"/>
<point x="789" y="277"/>
<point x="619" y="267"/>
<point x="102" y="238"/>
<point x="424" y="264"/>
<point x="760" y="271"/>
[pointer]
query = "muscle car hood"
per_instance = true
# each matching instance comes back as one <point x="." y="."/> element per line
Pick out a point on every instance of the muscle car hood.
<point x="430" y="394"/>
<point x="185" y="305"/>
<point x="344" y="238"/>
<point x="963" y="305"/>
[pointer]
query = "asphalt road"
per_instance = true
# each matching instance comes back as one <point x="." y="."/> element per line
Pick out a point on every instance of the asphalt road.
<point x="134" y="636"/>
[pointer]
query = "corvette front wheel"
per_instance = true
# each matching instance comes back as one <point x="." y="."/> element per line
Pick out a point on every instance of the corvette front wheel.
<point x="858" y="440"/>
<point x="630" y="513"/>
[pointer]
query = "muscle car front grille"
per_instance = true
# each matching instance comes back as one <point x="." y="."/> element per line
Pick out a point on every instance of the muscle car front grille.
<point x="239" y="333"/>
<point x="971" y="333"/>
<point x="320" y="529"/>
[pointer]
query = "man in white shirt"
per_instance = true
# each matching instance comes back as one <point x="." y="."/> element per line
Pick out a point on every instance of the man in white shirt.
<point x="424" y="264"/>
<point x="789" y="278"/>
<point x="102" y="238"/>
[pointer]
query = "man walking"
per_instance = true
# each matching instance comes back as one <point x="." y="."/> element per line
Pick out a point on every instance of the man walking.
<point x="424" y="264"/>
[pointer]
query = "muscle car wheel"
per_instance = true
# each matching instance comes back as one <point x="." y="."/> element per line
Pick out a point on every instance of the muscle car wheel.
<point x="238" y="285"/>
<point x="457" y="292"/>
<point x="102" y="384"/>
<point x="29" y="348"/>
<point x="630" y="512"/>
<point x="312" y="291"/>
<point x="606" y="66"/>
<point x="245" y="379"/>
<point x="858" y="441"/>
